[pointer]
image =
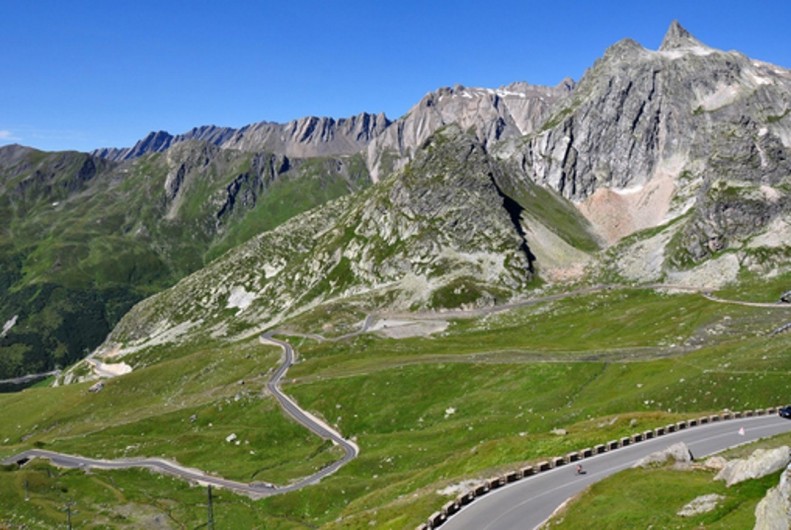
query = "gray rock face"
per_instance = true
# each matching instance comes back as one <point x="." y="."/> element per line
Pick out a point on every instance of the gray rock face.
<point x="302" y="138"/>
<point x="491" y="114"/>
<point x="761" y="463"/>
<point x="773" y="512"/>
<point x="677" y="38"/>
<point x="160" y="141"/>
<point x="309" y="137"/>
<point x="648" y="136"/>
<point x="635" y="109"/>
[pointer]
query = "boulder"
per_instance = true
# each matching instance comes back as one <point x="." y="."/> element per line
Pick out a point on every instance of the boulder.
<point x="699" y="505"/>
<point x="676" y="453"/>
<point x="761" y="463"/>
<point x="715" y="463"/>
<point x="774" y="510"/>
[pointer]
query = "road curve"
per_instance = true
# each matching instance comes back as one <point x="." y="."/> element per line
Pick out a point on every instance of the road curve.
<point x="27" y="378"/>
<point x="531" y="501"/>
<point x="255" y="490"/>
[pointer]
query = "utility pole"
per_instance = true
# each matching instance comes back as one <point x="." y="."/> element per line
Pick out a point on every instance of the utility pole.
<point x="68" y="516"/>
<point x="210" y="522"/>
<point x="27" y="490"/>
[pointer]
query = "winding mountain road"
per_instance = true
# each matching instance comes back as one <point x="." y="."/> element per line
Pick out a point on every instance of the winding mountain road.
<point x="531" y="501"/>
<point x="254" y="490"/>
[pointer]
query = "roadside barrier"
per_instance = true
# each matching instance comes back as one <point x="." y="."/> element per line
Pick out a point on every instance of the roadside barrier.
<point x="436" y="519"/>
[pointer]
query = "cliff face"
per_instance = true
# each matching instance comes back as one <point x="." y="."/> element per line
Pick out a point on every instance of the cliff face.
<point x="490" y="114"/>
<point x="635" y="110"/>
<point x="303" y="138"/>
<point x="650" y="136"/>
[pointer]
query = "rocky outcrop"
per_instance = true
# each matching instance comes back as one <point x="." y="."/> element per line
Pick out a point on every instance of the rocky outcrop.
<point x="302" y="138"/>
<point x="678" y="453"/>
<point x="773" y="512"/>
<point x="649" y="133"/>
<point x="309" y="137"/>
<point x="490" y="114"/>
<point x="761" y="463"/>
<point x="699" y="505"/>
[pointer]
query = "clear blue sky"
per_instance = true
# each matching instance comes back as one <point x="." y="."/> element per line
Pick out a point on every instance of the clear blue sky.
<point x="80" y="75"/>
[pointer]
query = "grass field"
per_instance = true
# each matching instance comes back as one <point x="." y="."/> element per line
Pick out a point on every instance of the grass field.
<point x="426" y="412"/>
<point x="638" y="498"/>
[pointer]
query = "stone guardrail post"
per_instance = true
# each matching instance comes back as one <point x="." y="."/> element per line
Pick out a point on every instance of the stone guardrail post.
<point x="449" y="508"/>
<point x="465" y="498"/>
<point x="496" y="482"/>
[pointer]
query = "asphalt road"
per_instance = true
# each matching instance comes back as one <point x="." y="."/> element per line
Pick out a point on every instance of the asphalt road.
<point x="27" y="378"/>
<point x="528" y="503"/>
<point x="254" y="489"/>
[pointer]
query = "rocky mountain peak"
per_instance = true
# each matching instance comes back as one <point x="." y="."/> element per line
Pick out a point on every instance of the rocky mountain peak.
<point x="677" y="37"/>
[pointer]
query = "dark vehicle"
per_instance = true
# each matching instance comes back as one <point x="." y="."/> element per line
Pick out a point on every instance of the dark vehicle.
<point x="785" y="412"/>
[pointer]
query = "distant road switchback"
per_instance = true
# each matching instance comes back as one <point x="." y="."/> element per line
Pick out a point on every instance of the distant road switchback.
<point x="255" y="490"/>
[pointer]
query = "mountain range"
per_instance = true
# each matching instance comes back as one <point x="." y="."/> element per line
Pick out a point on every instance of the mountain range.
<point x="666" y="165"/>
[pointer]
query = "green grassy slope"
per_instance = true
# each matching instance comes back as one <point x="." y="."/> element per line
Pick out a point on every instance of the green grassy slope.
<point x="427" y="413"/>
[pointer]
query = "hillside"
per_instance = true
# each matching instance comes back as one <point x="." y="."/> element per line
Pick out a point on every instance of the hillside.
<point x="86" y="238"/>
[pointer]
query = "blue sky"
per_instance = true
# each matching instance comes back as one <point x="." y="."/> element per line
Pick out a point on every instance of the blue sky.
<point x="81" y="75"/>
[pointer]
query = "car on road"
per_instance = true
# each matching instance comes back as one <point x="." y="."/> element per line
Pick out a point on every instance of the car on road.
<point x="785" y="412"/>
